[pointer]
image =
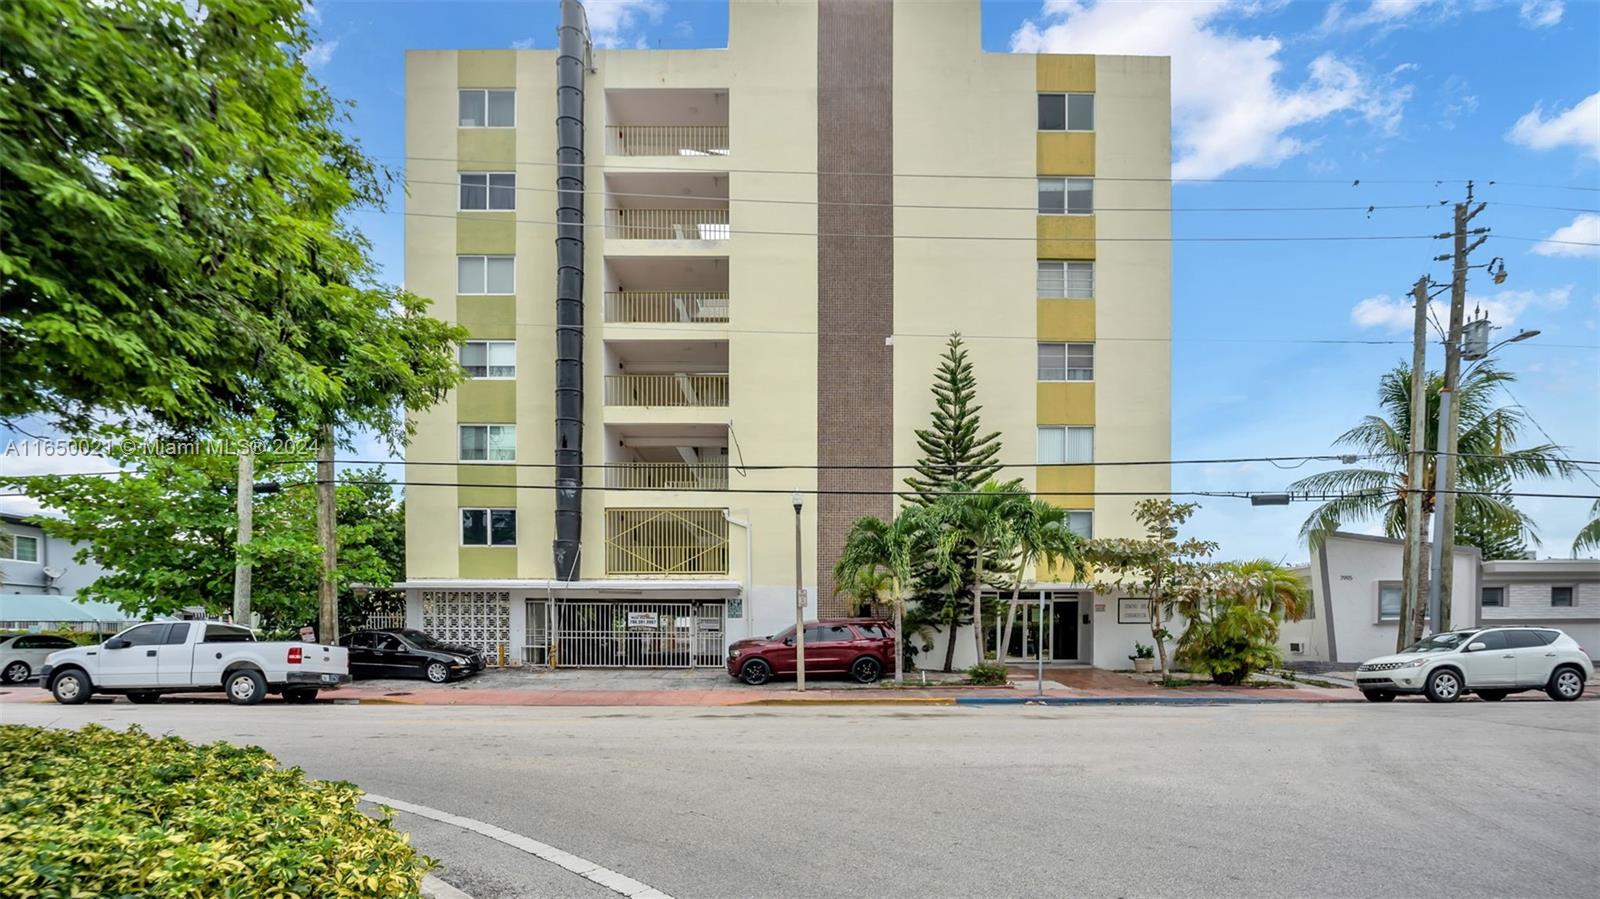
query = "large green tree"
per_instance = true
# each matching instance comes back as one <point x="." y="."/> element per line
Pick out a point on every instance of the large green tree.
<point x="1159" y="565"/>
<point x="1497" y="536"/>
<point x="889" y="551"/>
<point x="1589" y="535"/>
<point x="980" y="527"/>
<point x="1039" y="539"/>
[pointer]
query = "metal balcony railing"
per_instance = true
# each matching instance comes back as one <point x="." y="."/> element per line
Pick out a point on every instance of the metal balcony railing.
<point x="666" y="542"/>
<point x="671" y="389"/>
<point x="667" y="140"/>
<point x="668" y="476"/>
<point x="658" y="306"/>
<point x="667" y="224"/>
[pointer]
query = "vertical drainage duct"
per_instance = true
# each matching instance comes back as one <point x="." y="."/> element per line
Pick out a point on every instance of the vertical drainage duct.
<point x="571" y="60"/>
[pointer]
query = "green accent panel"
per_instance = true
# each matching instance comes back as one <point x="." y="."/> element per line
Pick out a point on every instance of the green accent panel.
<point x="488" y="318"/>
<point x="482" y="149"/>
<point x="486" y="401"/>
<point x="488" y="561"/>
<point x="489" y="233"/>
<point x="486" y="474"/>
<point x="486" y="497"/>
<point x="486" y="68"/>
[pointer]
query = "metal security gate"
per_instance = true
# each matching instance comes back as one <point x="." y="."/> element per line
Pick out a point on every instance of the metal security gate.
<point x="639" y="635"/>
<point x="536" y="643"/>
<point x="473" y="617"/>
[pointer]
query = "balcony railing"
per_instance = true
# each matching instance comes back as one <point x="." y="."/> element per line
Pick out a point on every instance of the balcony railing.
<point x="667" y="140"/>
<point x="668" y="476"/>
<point x="657" y="306"/>
<point x="666" y="542"/>
<point x="667" y="224"/>
<point x="672" y="389"/>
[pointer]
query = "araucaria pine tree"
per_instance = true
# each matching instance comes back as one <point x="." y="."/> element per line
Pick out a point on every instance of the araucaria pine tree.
<point x="954" y="455"/>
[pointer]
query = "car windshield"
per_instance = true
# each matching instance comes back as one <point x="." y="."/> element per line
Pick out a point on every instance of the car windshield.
<point x="1441" y="642"/>
<point x="426" y="641"/>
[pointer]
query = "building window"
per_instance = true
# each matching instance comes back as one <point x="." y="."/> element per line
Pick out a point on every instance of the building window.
<point x="493" y="191"/>
<point x="1066" y="196"/>
<point x="488" y="109"/>
<point x="1388" y="601"/>
<point x="1081" y="523"/>
<point x="1561" y="597"/>
<point x="1066" y="362"/>
<point x="486" y="275"/>
<point x="1066" y="280"/>
<point x="488" y="443"/>
<point x="1494" y="596"/>
<point x="1059" y="446"/>
<point x="488" y="527"/>
<point x="1066" y="112"/>
<point x="22" y="549"/>
<point x="489" y="359"/>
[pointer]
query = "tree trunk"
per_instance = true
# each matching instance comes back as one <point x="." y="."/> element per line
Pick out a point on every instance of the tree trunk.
<point x="899" y="642"/>
<point x="977" y="609"/>
<point x="1155" y="632"/>
<point x="953" y="616"/>
<point x="327" y="535"/>
<point x="1011" y="617"/>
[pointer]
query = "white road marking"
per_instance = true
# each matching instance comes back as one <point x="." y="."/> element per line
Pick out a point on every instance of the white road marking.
<point x="611" y="880"/>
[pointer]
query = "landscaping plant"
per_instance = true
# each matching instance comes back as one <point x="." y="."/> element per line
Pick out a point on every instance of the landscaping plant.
<point x="987" y="674"/>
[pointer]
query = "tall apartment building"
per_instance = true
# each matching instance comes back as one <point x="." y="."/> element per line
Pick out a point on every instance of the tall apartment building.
<point x="778" y="238"/>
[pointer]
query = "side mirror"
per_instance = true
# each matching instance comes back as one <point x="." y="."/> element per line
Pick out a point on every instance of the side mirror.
<point x="788" y="641"/>
<point x="117" y="643"/>
<point x="1477" y="647"/>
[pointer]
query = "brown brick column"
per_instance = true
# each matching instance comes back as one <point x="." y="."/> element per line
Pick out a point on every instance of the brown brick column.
<point x="855" y="270"/>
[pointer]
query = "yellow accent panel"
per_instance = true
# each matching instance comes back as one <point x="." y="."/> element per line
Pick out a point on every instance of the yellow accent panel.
<point x="1073" y="485"/>
<point x="1066" y="236"/>
<point x="1065" y="320"/>
<point x="488" y="318"/>
<point x="485" y="148"/>
<point x="1065" y="72"/>
<point x="1066" y="574"/>
<point x="497" y="68"/>
<point x="486" y="474"/>
<point x="486" y="232"/>
<point x="486" y="401"/>
<point x="486" y="497"/>
<point x="1061" y="153"/>
<point x="488" y="561"/>
<point x="1066" y="403"/>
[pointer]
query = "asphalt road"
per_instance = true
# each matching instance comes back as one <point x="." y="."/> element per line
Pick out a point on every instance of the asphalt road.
<point x="1266" y="800"/>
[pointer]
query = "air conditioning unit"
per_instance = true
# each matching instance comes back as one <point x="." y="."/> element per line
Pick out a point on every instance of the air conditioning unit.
<point x="1297" y="647"/>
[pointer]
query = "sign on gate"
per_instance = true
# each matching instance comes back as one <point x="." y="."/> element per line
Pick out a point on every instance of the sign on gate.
<point x="643" y="619"/>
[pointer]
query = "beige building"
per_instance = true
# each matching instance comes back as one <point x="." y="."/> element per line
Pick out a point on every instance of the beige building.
<point x="777" y="239"/>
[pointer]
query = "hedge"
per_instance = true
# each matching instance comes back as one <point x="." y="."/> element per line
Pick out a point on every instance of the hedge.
<point x="98" y="812"/>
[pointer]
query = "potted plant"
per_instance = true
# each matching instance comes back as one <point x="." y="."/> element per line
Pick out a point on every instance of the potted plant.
<point x="1143" y="658"/>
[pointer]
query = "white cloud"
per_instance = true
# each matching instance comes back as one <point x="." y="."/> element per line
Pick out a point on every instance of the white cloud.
<point x="1584" y="230"/>
<point x="1541" y="13"/>
<point x="615" y="23"/>
<point x="526" y="43"/>
<point x="312" y="14"/>
<point x="1578" y="127"/>
<point x="1231" y="106"/>
<point x="320" y="54"/>
<point x="1503" y="307"/>
<point x="1384" y="13"/>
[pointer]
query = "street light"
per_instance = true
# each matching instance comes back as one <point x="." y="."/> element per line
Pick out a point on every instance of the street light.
<point x="799" y="600"/>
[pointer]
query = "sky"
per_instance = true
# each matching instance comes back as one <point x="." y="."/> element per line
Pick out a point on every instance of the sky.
<point x="1345" y="104"/>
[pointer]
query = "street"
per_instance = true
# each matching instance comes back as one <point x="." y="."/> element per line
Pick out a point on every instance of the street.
<point x="1260" y="800"/>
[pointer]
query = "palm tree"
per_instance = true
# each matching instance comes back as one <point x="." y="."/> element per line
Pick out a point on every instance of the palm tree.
<point x="864" y="592"/>
<point x="1485" y="458"/>
<point x="1589" y="537"/>
<point x="979" y="522"/>
<point x="1040" y="539"/>
<point x="890" y="549"/>
<point x="1274" y="588"/>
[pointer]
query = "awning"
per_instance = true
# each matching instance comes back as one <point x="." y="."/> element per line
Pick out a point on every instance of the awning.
<point x="47" y="608"/>
<point x="621" y="590"/>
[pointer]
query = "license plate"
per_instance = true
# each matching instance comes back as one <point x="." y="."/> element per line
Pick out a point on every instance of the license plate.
<point x="330" y="678"/>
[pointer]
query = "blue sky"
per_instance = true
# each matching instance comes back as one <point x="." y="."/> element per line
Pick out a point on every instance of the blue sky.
<point x="1395" y="93"/>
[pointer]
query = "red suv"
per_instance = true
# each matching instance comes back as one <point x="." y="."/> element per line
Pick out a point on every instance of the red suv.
<point x="860" y="647"/>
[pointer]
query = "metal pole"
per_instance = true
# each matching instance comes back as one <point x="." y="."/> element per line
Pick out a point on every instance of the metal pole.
<point x="241" y="565"/>
<point x="1436" y="566"/>
<point x="799" y="606"/>
<point x="1039" y="644"/>
<point x="1416" y="464"/>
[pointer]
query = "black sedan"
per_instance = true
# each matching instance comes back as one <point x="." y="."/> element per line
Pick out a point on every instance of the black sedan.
<point x="405" y="652"/>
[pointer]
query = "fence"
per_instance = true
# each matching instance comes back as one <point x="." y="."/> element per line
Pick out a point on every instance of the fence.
<point x="480" y="618"/>
<point x="667" y="224"/>
<point x="661" y="306"/>
<point x="668" y="476"/>
<point x="666" y="542"/>
<point x="670" y="389"/>
<point x="639" y="635"/>
<point x="667" y="140"/>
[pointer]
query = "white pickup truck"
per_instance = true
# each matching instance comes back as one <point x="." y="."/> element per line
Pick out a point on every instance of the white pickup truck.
<point x="147" y="660"/>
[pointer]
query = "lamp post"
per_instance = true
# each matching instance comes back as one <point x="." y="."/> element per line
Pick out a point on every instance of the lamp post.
<point x="799" y="601"/>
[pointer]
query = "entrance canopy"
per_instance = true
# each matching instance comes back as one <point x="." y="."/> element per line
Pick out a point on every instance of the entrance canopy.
<point x="620" y="590"/>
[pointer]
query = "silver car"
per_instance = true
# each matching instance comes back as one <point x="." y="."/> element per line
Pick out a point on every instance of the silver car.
<point x="1492" y="662"/>
<point x="22" y="654"/>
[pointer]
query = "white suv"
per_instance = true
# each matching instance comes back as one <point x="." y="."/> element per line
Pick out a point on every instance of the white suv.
<point x="1491" y="662"/>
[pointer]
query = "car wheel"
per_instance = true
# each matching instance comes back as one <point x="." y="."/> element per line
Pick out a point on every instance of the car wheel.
<point x="1493" y="695"/>
<point x="300" y="695"/>
<point x="755" y="672"/>
<point x="866" y="670"/>
<point x="143" y="698"/>
<point x="1378" y="695"/>
<point x="15" y="673"/>
<point x="71" y="687"/>
<point x="1444" y="685"/>
<point x="1565" y="685"/>
<point x="436" y="672"/>
<point x="245" y="687"/>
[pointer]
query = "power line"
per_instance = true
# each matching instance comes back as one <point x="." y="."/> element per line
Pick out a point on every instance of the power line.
<point x="1552" y="440"/>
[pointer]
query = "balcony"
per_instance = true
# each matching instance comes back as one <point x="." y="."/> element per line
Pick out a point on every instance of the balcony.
<point x="643" y="458"/>
<point x="696" y="389"/>
<point x="666" y="542"/>
<point x="689" y="210"/>
<point x="656" y="290"/>
<point x="683" y="124"/>
<point x="667" y="224"/>
<point x="667" y="140"/>
<point x="667" y="476"/>
<point x="667" y="306"/>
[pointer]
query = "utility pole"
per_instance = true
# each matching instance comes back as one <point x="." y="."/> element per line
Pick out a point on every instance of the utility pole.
<point x="327" y="595"/>
<point x="246" y="510"/>
<point x="799" y="603"/>
<point x="1444" y="521"/>
<point x="1416" y="467"/>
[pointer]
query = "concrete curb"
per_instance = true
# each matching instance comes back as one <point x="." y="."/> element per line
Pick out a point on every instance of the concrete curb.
<point x="1142" y="700"/>
<point x="870" y="700"/>
<point x="434" y="888"/>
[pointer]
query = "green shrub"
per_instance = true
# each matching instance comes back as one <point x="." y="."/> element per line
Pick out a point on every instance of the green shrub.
<point x="1229" y="640"/>
<point x="987" y="674"/>
<point x="99" y="812"/>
